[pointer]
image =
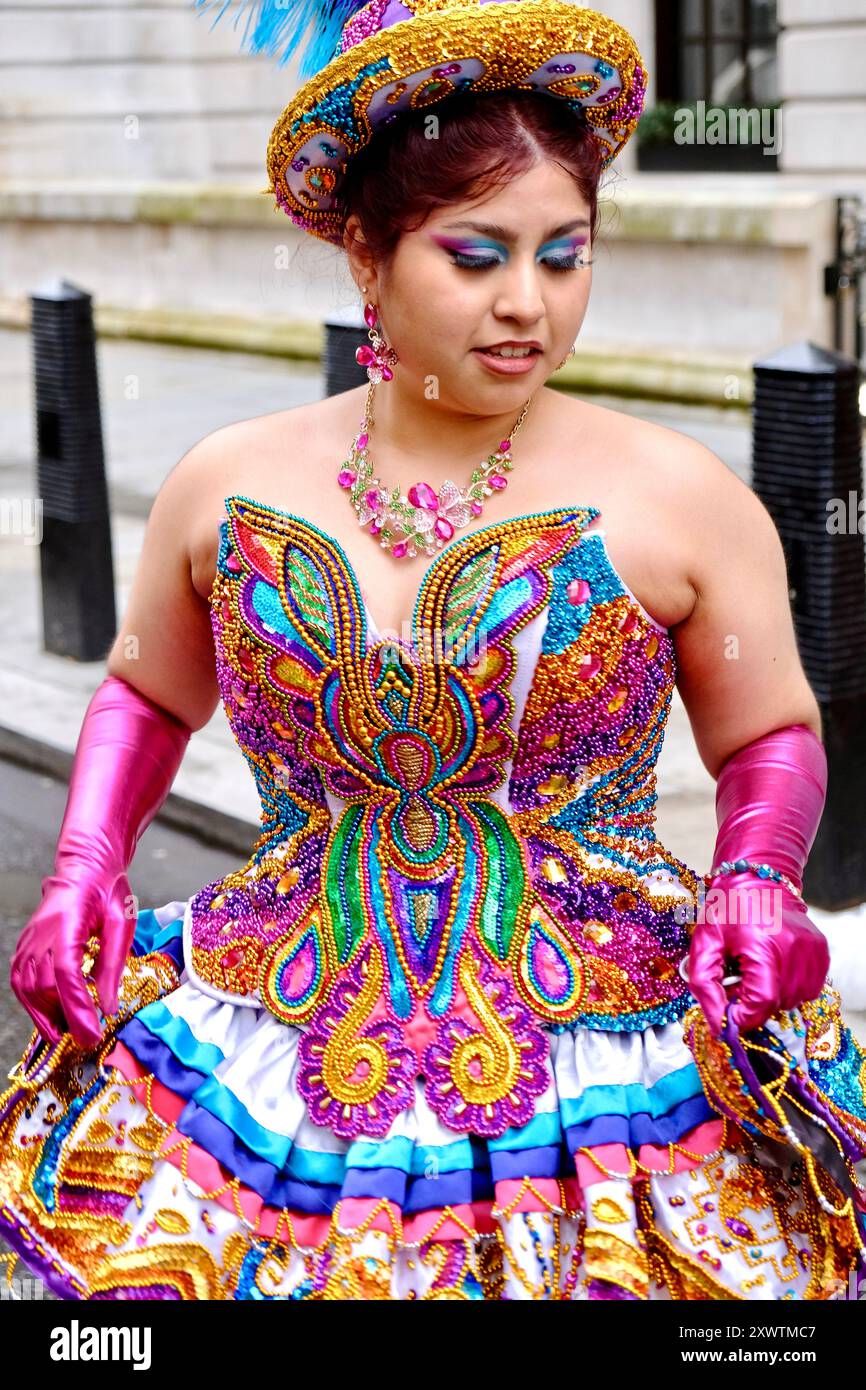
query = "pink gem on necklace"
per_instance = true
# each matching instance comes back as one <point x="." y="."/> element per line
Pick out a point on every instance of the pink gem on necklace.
<point x="423" y="519"/>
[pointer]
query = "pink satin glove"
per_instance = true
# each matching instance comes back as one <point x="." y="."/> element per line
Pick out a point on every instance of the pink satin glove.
<point x="769" y="800"/>
<point x="128" y="753"/>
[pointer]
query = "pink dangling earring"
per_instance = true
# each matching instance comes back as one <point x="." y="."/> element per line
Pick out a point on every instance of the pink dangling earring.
<point x="380" y="358"/>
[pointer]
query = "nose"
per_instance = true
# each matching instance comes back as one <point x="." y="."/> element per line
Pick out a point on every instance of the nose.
<point x="520" y="296"/>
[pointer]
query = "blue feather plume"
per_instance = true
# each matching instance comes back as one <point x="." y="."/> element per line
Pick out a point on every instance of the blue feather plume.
<point x="277" y="27"/>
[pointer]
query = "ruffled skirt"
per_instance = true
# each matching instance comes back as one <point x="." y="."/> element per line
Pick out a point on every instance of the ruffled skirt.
<point x="178" y="1161"/>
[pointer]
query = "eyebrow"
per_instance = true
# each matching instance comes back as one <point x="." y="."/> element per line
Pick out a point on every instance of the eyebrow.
<point x="503" y="234"/>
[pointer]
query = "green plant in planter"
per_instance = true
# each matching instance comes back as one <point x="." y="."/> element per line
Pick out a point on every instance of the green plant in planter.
<point x="658" y="125"/>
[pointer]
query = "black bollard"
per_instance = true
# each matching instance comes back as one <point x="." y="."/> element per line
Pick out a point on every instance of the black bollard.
<point x="806" y="468"/>
<point x="78" y="613"/>
<point x="343" y="334"/>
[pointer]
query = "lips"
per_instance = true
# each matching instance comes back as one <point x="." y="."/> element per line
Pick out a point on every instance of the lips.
<point x="522" y="348"/>
<point x="506" y="365"/>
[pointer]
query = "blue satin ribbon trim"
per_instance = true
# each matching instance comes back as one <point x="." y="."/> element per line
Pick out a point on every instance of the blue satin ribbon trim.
<point x="156" y="1057"/>
<point x="634" y="1099"/>
<point x="176" y="1037"/>
<point x="540" y="1132"/>
<point x="634" y="1130"/>
<point x="402" y="1152"/>
<point x="150" y="936"/>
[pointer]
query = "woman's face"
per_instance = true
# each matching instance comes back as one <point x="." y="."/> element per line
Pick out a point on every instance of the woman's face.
<point x="512" y="267"/>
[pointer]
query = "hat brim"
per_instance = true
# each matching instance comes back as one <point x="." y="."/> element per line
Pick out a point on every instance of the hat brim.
<point x="550" y="46"/>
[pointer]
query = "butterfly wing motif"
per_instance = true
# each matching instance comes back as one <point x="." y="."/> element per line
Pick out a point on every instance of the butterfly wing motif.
<point x="423" y="882"/>
<point x="481" y="601"/>
<point x="276" y="896"/>
<point x="583" y="788"/>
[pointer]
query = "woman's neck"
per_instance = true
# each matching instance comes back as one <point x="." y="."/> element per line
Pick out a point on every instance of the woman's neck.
<point x="412" y="438"/>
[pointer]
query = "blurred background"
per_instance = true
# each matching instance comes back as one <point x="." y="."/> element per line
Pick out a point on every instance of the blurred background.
<point x="132" y="150"/>
<point x="132" y="171"/>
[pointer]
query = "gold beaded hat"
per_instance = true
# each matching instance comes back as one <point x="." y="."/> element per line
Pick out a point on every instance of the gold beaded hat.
<point x="368" y="64"/>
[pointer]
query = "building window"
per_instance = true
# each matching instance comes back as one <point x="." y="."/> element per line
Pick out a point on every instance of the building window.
<point x="711" y="55"/>
<point x="720" y="51"/>
<point x="728" y="51"/>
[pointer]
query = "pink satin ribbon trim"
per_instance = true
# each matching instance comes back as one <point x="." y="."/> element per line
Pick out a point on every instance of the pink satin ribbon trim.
<point x="703" y="1140"/>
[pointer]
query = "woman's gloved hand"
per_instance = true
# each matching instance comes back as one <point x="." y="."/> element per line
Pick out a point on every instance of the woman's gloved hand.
<point x="769" y="799"/>
<point x="783" y="957"/>
<point x="128" y="753"/>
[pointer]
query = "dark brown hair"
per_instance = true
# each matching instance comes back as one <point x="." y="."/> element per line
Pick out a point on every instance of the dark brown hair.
<point x="484" y="140"/>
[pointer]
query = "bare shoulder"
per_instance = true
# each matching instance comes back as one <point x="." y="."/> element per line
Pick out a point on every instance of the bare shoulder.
<point x="231" y="459"/>
<point x="656" y="481"/>
<point x="220" y="455"/>
<point x="722" y="519"/>
<point x="676" y="464"/>
<point x="711" y="508"/>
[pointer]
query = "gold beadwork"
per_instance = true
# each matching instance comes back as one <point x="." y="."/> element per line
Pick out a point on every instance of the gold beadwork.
<point x="511" y="45"/>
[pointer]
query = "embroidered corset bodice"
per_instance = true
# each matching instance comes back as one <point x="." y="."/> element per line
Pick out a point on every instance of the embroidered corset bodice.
<point x="457" y="848"/>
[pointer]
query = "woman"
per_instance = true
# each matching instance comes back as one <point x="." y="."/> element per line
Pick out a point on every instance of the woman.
<point x="435" y="1038"/>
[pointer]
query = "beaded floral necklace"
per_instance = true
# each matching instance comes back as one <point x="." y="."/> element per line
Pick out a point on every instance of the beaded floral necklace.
<point x="422" y="519"/>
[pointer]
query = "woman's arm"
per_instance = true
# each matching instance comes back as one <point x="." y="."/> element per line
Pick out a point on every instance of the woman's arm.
<point x="160" y="683"/>
<point x="757" y="726"/>
<point x="164" y="645"/>
<point x="739" y="669"/>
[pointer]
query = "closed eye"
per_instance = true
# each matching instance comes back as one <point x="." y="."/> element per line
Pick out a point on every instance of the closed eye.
<point x="573" y="261"/>
<point x="466" y="262"/>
